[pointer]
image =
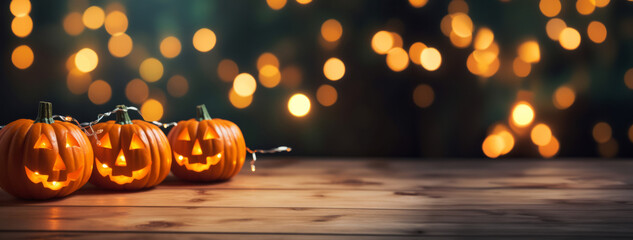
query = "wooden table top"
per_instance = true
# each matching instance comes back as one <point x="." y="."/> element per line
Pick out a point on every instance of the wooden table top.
<point x="295" y="198"/>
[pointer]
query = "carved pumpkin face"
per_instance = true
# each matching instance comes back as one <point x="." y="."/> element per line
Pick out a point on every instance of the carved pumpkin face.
<point x="129" y="155"/>
<point x="44" y="159"/>
<point x="47" y="165"/>
<point x="124" y="161"/>
<point x="198" y="149"/>
<point x="206" y="149"/>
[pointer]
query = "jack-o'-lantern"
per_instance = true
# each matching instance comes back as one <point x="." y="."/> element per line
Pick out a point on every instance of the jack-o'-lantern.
<point x="44" y="158"/>
<point x="129" y="154"/>
<point x="206" y="149"/>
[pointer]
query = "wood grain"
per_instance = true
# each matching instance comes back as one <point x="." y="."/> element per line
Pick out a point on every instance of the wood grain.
<point x="312" y="221"/>
<point x="351" y="199"/>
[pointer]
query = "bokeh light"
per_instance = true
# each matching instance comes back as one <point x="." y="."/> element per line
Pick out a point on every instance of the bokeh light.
<point x="70" y="62"/>
<point x="20" y="8"/>
<point x="521" y="68"/>
<point x="431" y="59"/>
<point x="423" y="95"/>
<point x="601" y="132"/>
<point x="151" y="70"/>
<point x="299" y="105"/>
<point x="276" y="4"/>
<point x="458" y="6"/>
<point x="331" y="30"/>
<point x="504" y="133"/>
<point x="177" y="86"/>
<point x="382" y="42"/>
<point x="244" y="84"/>
<point x="22" y="26"/>
<point x="397" y="40"/>
<point x="564" y="97"/>
<point x="631" y="133"/>
<point x="529" y="52"/>
<point x="78" y="82"/>
<point x="116" y="22"/>
<point x="93" y="17"/>
<point x="204" y="40"/>
<point x="553" y="28"/>
<point x="73" y="24"/>
<point x="136" y="91"/>
<point x="238" y="101"/>
<point x="291" y="77"/>
<point x="99" y="92"/>
<point x="22" y="57"/>
<point x="327" y="95"/>
<point x="334" y="69"/>
<point x="152" y="110"/>
<point x="227" y="70"/>
<point x="602" y="3"/>
<point x="522" y="114"/>
<point x="550" y="8"/>
<point x="569" y="38"/>
<point x="484" y="38"/>
<point x="541" y="134"/>
<point x="460" y="42"/>
<point x="628" y="78"/>
<point x="585" y="7"/>
<point x="86" y="60"/>
<point x="597" y="32"/>
<point x="550" y="149"/>
<point x="462" y="25"/>
<point x="120" y="45"/>
<point x="170" y="47"/>
<point x="304" y="2"/>
<point x="397" y="59"/>
<point x="492" y="146"/>
<point x="415" y="51"/>
<point x="608" y="149"/>
<point x="267" y="59"/>
<point x="269" y="76"/>
<point x="418" y="3"/>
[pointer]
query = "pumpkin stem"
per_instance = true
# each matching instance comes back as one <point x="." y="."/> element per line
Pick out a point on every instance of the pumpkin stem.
<point x="202" y="113"/>
<point x="122" y="117"/>
<point x="45" y="113"/>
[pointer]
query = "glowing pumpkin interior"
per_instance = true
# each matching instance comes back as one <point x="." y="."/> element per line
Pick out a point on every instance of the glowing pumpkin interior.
<point x="121" y="162"/>
<point x="58" y="176"/>
<point x="205" y="151"/>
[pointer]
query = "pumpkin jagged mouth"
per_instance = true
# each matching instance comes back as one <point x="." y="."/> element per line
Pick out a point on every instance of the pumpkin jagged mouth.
<point x="36" y="177"/>
<point x="105" y="170"/>
<point x="197" y="167"/>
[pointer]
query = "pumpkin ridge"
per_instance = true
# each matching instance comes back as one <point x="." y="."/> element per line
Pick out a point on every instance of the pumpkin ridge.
<point x="229" y="166"/>
<point x="19" y="130"/>
<point x="240" y="143"/>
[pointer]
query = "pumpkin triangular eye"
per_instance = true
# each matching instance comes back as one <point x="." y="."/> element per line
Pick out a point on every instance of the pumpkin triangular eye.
<point x="210" y="134"/>
<point x="136" y="143"/>
<point x="71" y="141"/>
<point x="104" y="142"/>
<point x="43" y="142"/>
<point x="184" y="135"/>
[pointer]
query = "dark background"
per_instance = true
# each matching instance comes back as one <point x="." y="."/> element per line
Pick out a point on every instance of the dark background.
<point x="375" y="114"/>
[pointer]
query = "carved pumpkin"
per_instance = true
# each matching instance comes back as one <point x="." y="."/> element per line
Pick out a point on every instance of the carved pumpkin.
<point x="130" y="154"/>
<point x="206" y="149"/>
<point x="44" y="158"/>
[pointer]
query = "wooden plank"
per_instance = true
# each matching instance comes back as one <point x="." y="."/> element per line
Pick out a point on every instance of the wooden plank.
<point x="240" y="236"/>
<point x="188" y="196"/>
<point x="316" y="221"/>
<point x="412" y="175"/>
<point x="211" y="236"/>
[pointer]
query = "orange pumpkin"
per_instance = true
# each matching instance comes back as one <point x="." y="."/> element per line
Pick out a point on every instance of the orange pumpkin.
<point x="44" y="158"/>
<point x="206" y="149"/>
<point x="130" y="154"/>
